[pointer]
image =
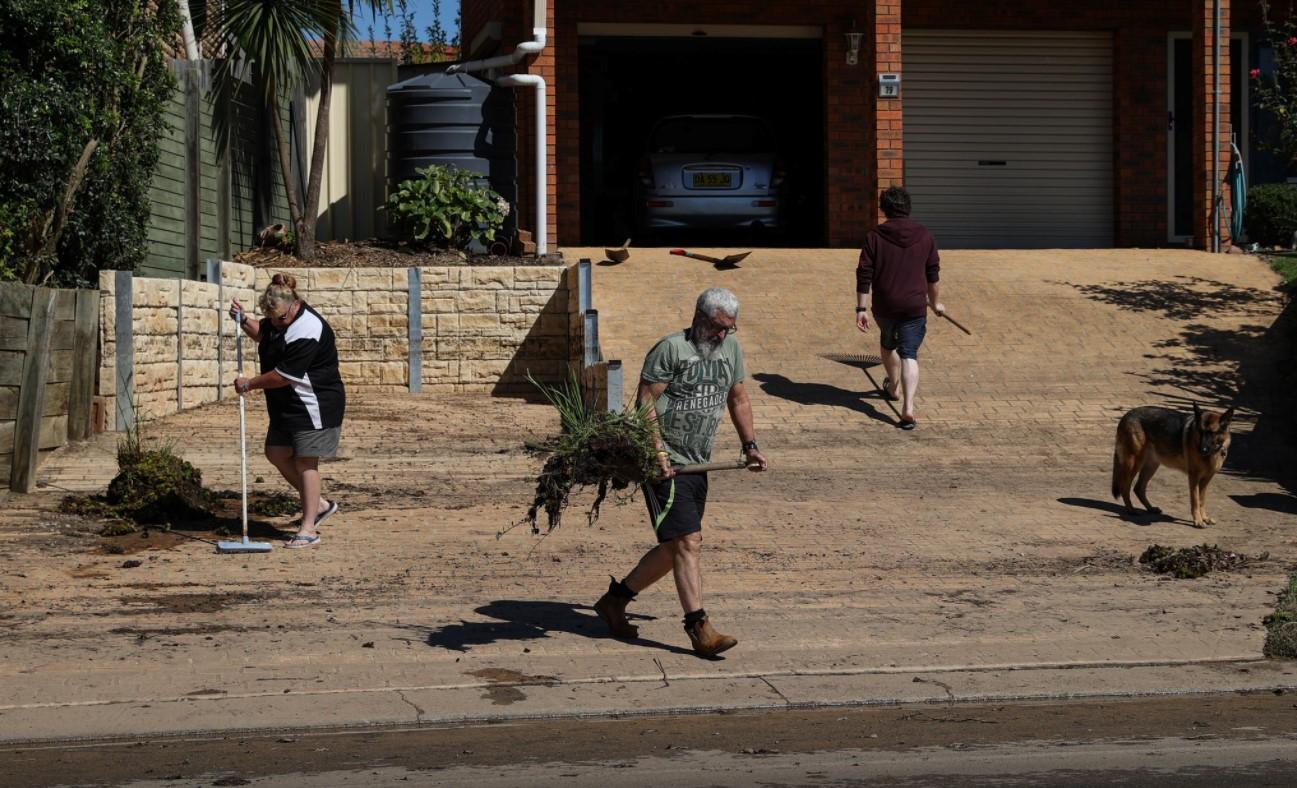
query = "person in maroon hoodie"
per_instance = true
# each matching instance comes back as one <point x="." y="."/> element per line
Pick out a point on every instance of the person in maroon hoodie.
<point x="899" y="263"/>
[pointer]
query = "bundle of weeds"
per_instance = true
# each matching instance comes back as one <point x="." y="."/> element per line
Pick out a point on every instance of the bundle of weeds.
<point x="1190" y="562"/>
<point x="1281" y="625"/>
<point x="609" y="451"/>
<point x="153" y="486"/>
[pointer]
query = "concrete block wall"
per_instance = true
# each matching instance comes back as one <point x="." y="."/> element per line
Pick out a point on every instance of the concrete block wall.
<point x="177" y="327"/>
<point x="484" y="329"/>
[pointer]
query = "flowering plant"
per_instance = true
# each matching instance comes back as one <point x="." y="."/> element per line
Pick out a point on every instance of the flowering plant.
<point x="1276" y="92"/>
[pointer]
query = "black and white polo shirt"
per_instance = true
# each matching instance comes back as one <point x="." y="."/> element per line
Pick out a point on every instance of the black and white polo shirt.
<point x="306" y="355"/>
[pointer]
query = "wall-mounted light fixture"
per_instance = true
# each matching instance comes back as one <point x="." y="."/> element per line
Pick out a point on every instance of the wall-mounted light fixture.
<point x="853" y="45"/>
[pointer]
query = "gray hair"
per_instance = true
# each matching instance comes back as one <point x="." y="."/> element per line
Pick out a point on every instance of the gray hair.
<point x="718" y="299"/>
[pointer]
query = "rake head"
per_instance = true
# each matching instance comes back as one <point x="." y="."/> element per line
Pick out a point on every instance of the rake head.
<point x="857" y="360"/>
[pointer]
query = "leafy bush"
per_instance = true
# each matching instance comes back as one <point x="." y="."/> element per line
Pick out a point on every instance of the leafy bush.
<point x="1281" y="625"/>
<point x="83" y="84"/>
<point x="446" y="208"/>
<point x="1271" y="217"/>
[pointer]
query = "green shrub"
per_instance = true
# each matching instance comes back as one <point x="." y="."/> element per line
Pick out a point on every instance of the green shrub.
<point x="1271" y="217"/>
<point x="446" y="208"/>
<point x="83" y="85"/>
<point x="1281" y="625"/>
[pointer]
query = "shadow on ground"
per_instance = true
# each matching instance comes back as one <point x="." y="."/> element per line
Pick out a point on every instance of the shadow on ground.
<point x="519" y="620"/>
<point x="1117" y="511"/>
<point x="1253" y="366"/>
<point x="821" y="394"/>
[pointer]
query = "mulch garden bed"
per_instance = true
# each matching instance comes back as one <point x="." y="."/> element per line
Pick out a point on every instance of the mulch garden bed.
<point x="379" y="254"/>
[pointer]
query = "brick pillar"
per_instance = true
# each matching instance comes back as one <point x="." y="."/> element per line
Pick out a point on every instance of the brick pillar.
<point x="889" y="155"/>
<point x="851" y="171"/>
<point x="1204" y="147"/>
<point x="567" y="145"/>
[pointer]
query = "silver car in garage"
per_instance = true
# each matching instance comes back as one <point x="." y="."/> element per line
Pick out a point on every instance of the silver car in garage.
<point x="710" y="172"/>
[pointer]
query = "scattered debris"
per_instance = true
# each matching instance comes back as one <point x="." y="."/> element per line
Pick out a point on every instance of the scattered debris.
<point x="1190" y="562"/>
<point x="130" y="564"/>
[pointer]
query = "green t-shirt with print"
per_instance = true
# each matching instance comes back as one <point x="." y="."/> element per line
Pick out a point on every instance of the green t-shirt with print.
<point x="693" y="403"/>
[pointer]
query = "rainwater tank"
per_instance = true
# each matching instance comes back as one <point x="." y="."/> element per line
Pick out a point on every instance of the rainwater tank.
<point x="455" y="120"/>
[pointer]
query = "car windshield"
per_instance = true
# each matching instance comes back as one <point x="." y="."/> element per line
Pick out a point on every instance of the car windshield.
<point x="712" y="135"/>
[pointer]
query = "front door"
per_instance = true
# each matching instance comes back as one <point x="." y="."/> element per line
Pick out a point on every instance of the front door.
<point x="1180" y="120"/>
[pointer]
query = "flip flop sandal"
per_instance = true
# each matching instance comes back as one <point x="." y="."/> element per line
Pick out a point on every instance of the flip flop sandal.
<point x="908" y="424"/>
<point x="302" y="540"/>
<point x="889" y="393"/>
<point x="327" y="513"/>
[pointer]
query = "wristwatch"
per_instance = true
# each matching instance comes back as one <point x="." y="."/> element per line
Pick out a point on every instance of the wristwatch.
<point x="862" y="309"/>
<point x="749" y="446"/>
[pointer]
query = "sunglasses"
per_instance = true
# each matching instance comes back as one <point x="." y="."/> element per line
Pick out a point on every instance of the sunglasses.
<point x="719" y="328"/>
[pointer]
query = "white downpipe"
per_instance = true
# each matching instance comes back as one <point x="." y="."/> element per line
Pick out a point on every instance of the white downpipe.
<point x="541" y="156"/>
<point x="523" y="50"/>
<point x="187" y="31"/>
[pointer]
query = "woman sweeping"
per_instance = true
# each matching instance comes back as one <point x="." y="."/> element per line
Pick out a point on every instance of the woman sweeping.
<point x="304" y="395"/>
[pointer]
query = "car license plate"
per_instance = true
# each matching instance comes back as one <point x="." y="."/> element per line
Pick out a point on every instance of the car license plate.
<point x="712" y="180"/>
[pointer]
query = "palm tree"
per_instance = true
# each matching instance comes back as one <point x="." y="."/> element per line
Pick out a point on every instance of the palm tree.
<point x="278" y="37"/>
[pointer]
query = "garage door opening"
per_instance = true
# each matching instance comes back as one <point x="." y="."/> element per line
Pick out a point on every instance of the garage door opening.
<point x="701" y="140"/>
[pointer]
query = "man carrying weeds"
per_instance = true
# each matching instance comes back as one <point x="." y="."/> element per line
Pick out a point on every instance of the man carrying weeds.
<point x="689" y="379"/>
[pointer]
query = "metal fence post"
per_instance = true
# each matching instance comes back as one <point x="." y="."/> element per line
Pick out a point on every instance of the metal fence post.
<point x="591" y="356"/>
<point x="414" y="319"/>
<point x="615" y="390"/>
<point x="180" y="346"/>
<point x="584" y="286"/>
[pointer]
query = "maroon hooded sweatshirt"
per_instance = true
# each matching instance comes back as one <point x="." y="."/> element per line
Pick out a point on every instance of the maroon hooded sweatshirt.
<point x="898" y="261"/>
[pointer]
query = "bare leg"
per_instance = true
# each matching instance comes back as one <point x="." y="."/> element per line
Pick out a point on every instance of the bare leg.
<point x="685" y="555"/>
<point x="909" y="386"/>
<point x="282" y="458"/>
<point x="891" y="365"/>
<point x="309" y="472"/>
<point x="654" y="566"/>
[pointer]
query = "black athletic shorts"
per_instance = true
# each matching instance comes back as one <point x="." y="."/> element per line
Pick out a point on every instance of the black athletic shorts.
<point x="676" y="505"/>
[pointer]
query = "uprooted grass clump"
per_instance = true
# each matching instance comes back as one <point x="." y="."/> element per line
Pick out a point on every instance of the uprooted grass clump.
<point x="1281" y="625"/>
<point x="153" y="486"/>
<point x="1190" y="562"/>
<point x="605" y="450"/>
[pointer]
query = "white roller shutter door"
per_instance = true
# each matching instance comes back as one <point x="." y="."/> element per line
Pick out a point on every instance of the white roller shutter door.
<point x="1008" y="137"/>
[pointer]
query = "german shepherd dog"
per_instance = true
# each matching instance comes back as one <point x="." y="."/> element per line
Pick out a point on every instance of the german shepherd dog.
<point x="1150" y="437"/>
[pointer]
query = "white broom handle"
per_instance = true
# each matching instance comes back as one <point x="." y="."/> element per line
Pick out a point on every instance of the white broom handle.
<point x="243" y="430"/>
<point x="243" y="465"/>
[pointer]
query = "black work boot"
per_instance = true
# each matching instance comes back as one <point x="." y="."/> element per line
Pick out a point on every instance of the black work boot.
<point x="611" y="607"/>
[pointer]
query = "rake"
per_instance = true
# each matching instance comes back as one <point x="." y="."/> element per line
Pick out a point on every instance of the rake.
<point x="244" y="546"/>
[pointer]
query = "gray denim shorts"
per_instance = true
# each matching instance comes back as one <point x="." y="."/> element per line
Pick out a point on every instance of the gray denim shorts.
<point x="307" y="443"/>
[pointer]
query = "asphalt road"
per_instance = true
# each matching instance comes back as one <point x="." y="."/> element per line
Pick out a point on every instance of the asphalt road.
<point x="1236" y="740"/>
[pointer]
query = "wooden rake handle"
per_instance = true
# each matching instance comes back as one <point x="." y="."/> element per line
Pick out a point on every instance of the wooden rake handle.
<point x="957" y="324"/>
<point x="736" y="465"/>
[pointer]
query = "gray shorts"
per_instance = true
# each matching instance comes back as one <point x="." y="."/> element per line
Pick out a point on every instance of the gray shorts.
<point x="307" y="443"/>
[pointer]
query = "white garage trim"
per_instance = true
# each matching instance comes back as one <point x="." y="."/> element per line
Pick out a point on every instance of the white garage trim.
<point x="635" y="30"/>
<point x="1008" y="137"/>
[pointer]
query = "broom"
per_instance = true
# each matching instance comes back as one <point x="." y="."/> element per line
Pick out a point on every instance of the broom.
<point x="244" y="546"/>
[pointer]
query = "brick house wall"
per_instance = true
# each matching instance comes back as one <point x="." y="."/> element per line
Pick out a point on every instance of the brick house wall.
<point x="864" y="150"/>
